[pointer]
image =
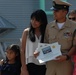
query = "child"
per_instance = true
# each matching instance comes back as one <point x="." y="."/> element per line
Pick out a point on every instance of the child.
<point x="12" y="65"/>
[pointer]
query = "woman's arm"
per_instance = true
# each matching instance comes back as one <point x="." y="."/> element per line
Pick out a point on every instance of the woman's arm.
<point x="23" y="52"/>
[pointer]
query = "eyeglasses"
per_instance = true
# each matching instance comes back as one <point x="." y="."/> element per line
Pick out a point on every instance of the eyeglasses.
<point x="73" y="18"/>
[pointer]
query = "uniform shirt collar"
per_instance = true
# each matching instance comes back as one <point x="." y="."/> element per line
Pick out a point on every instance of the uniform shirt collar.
<point x="66" y="24"/>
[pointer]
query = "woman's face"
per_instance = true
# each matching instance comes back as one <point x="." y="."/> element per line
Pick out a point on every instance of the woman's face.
<point x="35" y="23"/>
<point x="11" y="55"/>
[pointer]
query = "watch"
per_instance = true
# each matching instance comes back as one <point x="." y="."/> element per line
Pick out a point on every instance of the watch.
<point x="68" y="57"/>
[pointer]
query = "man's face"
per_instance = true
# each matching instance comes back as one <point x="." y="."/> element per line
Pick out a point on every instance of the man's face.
<point x="72" y="17"/>
<point x="59" y="14"/>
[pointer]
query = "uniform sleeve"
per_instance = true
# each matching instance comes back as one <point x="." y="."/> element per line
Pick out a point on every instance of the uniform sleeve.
<point x="74" y="38"/>
<point x="74" y="41"/>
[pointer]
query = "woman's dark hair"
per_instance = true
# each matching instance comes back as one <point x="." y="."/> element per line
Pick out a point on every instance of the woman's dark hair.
<point x="41" y="17"/>
<point x="15" y="48"/>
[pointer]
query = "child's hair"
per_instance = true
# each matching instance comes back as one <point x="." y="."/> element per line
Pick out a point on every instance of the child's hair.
<point x="41" y="17"/>
<point x="16" y="49"/>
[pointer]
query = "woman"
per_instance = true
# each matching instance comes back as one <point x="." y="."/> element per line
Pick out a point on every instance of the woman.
<point x="30" y="38"/>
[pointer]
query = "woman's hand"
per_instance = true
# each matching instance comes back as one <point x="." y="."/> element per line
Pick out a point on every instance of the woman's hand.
<point x="36" y="53"/>
<point x="24" y="71"/>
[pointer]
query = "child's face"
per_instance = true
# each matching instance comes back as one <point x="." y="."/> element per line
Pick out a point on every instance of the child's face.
<point x="11" y="55"/>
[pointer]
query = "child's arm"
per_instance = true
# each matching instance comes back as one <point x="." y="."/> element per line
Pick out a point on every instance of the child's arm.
<point x="1" y="62"/>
